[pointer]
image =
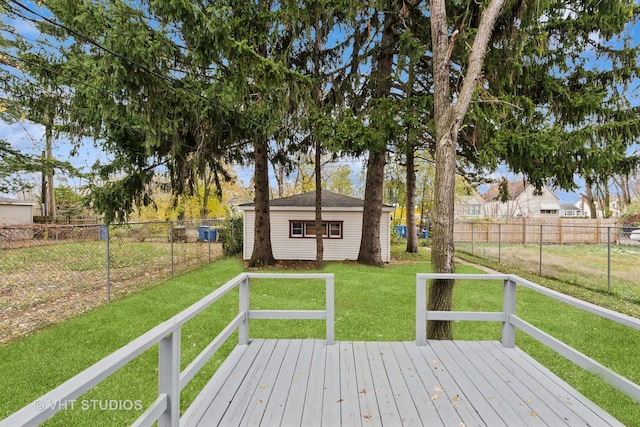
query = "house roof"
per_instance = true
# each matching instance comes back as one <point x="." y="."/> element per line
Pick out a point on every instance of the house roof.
<point x="569" y="207"/>
<point x="8" y="201"/>
<point x="329" y="200"/>
<point x="515" y="189"/>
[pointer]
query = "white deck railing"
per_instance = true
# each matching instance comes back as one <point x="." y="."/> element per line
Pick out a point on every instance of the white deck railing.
<point x="510" y="321"/>
<point x="166" y="408"/>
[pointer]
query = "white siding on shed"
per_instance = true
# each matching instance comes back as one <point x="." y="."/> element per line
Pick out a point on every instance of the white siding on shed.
<point x="287" y="248"/>
<point x="16" y="213"/>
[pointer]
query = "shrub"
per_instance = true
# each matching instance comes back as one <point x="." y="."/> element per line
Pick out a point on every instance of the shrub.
<point x="231" y="235"/>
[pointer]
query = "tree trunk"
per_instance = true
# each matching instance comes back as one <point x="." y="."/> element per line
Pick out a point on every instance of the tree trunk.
<point x="606" y="202"/>
<point x="318" y="155"/>
<point x="448" y="119"/>
<point x="370" y="250"/>
<point x="319" y="241"/>
<point x="412" y="231"/>
<point x="206" y="192"/>
<point x="262" y="251"/>
<point x="593" y="214"/>
<point x="442" y="247"/>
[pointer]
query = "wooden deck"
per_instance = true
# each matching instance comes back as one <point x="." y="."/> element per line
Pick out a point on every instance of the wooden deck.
<point x="312" y="382"/>
<point x="445" y="383"/>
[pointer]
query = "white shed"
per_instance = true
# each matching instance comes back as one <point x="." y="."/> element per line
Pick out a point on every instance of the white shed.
<point x="293" y="227"/>
<point x="15" y="212"/>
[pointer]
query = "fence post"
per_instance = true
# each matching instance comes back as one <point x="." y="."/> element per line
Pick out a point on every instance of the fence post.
<point x="609" y="259"/>
<point x="169" y="378"/>
<point x="243" y="330"/>
<point x="472" y="236"/>
<point x="171" y="232"/>
<point x="540" y="262"/>
<point x="499" y="243"/>
<point x="508" y="308"/>
<point x="108" y="238"/>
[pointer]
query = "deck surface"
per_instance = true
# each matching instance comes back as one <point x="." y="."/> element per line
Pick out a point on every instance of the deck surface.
<point x="446" y="383"/>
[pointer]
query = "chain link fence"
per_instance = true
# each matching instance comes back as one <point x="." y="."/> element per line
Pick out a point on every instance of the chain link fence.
<point x="49" y="273"/>
<point x="596" y="255"/>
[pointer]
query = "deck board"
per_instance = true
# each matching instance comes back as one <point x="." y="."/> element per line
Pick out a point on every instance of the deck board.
<point x="448" y="383"/>
<point x="292" y="412"/>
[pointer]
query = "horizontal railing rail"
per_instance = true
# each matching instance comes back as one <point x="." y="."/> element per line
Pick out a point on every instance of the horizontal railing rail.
<point x="165" y="410"/>
<point x="511" y="322"/>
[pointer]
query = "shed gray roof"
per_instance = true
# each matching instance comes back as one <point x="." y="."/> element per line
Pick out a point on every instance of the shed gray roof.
<point x="329" y="200"/>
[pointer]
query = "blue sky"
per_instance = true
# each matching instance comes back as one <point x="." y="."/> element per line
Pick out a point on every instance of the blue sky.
<point x="29" y="138"/>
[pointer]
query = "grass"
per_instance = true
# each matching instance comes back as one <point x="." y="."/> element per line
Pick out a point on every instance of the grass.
<point x="582" y="265"/>
<point x="72" y="277"/>
<point x="375" y="304"/>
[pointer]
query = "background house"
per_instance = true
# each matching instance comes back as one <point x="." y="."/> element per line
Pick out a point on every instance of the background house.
<point x="616" y="207"/>
<point x="470" y="206"/>
<point x="567" y="210"/>
<point x="293" y="227"/>
<point x="524" y="201"/>
<point x="15" y="212"/>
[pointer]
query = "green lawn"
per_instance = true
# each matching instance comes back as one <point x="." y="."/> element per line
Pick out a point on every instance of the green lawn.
<point x="371" y="304"/>
<point x="579" y="265"/>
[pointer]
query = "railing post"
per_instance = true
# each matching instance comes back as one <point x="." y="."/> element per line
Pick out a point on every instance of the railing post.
<point x="509" y="308"/>
<point x="169" y="378"/>
<point x="540" y="261"/>
<point x="243" y="330"/>
<point x="330" y="309"/>
<point x="421" y="314"/>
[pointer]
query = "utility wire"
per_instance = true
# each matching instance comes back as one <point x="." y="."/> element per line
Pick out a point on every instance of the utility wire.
<point x="172" y="81"/>
<point x="124" y="126"/>
<point x="73" y="79"/>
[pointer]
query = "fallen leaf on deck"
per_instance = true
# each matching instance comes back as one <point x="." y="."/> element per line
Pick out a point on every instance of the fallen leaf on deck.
<point x="259" y="401"/>
<point x="339" y="400"/>
<point x="434" y="397"/>
<point x="533" y="414"/>
<point x="437" y="388"/>
<point x="367" y="415"/>
<point x="363" y="391"/>
<point x="456" y="398"/>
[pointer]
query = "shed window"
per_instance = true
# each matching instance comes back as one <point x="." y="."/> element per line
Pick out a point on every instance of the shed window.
<point x="331" y="229"/>
<point x="296" y="229"/>
<point x="335" y="230"/>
